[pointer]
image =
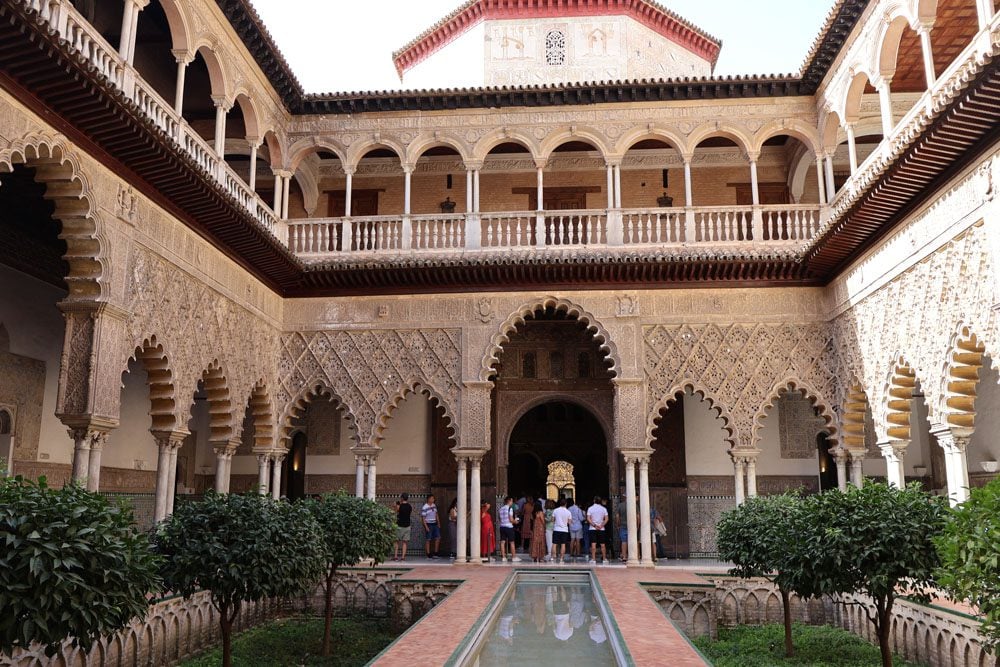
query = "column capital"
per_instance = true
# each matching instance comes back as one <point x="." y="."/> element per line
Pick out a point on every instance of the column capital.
<point x="687" y="157"/>
<point x="541" y="162"/>
<point x="254" y="142"/>
<point x="278" y="457"/>
<point x="745" y="456"/>
<point x="226" y="449"/>
<point x="752" y="156"/>
<point x="468" y="454"/>
<point x="221" y="102"/>
<point x="370" y="452"/>
<point x="281" y="173"/>
<point x="473" y="165"/>
<point x="893" y="448"/>
<point x="612" y="160"/>
<point x="182" y="56"/>
<point x="408" y="167"/>
<point x="625" y="382"/>
<point x="169" y="439"/>
<point x="349" y="170"/>
<point x="95" y="309"/>
<point x="955" y="439"/>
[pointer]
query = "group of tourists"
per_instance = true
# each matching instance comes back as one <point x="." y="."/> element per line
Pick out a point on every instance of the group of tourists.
<point x="546" y="530"/>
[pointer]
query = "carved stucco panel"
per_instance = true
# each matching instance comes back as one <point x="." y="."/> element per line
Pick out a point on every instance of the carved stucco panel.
<point x="370" y="370"/>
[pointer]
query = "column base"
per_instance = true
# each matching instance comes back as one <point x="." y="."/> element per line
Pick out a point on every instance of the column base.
<point x="468" y="563"/>
<point x="640" y="564"/>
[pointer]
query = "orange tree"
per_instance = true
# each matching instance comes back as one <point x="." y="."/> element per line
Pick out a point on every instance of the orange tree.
<point x="353" y="529"/>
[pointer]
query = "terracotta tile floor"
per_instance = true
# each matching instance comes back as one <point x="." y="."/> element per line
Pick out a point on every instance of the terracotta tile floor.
<point x="650" y="637"/>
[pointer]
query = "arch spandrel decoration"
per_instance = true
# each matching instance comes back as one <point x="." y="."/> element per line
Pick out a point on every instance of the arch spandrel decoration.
<point x="669" y="398"/>
<point x="367" y="368"/>
<point x="596" y="329"/>
<point x="737" y="364"/>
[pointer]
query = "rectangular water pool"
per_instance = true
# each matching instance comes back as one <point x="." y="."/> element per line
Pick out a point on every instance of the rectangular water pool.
<point x="545" y="618"/>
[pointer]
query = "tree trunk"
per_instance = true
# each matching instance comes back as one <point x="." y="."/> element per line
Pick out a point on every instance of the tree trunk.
<point x="787" y="605"/>
<point x="328" y="612"/>
<point x="226" y="626"/>
<point x="884" y="612"/>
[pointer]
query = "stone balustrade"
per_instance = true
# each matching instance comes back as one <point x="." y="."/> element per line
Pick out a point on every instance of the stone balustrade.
<point x="760" y="228"/>
<point x="82" y="37"/>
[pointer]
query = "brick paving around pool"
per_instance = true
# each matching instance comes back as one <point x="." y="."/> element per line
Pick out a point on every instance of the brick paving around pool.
<point x="650" y="637"/>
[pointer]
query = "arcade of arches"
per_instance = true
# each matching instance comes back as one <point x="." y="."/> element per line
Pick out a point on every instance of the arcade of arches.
<point x="145" y="357"/>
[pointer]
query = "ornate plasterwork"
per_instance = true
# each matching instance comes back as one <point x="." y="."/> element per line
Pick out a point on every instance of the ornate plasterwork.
<point x="369" y="371"/>
<point x="740" y="365"/>
<point x="198" y="329"/>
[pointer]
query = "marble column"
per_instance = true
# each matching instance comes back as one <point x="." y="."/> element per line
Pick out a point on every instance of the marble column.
<point x="885" y="105"/>
<point x="858" y="468"/>
<point x="254" y="147"/>
<point x="611" y="185"/>
<point x="97" y="442"/>
<point x="924" y="31"/>
<point x="475" y="501"/>
<point x="263" y="462"/>
<point x="278" y="458"/>
<point x="183" y="59"/>
<point x="645" y="520"/>
<point x="462" y="525"/>
<point x="738" y="467"/>
<point x="840" y="457"/>
<point x="956" y="463"/>
<point x="359" y="476"/>
<point x="630" y="505"/>
<point x="221" y="109"/>
<point x="81" y="454"/>
<point x="167" y="442"/>
<point x="821" y="180"/>
<point x="852" y="148"/>
<point x="372" y="473"/>
<point x="751" y="464"/>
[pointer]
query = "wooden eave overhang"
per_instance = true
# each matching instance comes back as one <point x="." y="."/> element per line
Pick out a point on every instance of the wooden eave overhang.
<point x="43" y="72"/>
<point x="961" y="133"/>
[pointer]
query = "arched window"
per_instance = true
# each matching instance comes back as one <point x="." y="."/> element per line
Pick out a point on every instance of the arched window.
<point x="555" y="48"/>
<point x="5" y="423"/>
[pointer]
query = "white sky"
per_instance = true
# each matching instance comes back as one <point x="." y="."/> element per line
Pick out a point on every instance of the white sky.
<point x="338" y="45"/>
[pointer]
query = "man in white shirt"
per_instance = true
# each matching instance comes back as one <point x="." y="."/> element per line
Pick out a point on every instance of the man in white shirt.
<point x="597" y="516"/>
<point x="429" y="517"/>
<point x="560" y="531"/>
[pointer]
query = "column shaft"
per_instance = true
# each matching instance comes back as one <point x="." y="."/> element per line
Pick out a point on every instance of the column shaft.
<point x="94" y="463"/>
<point x="371" y="479"/>
<point x="475" y="501"/>
<point x="278" y="188"/>
<point x="738" y="474"/>
<point x="347" y="195"/>
<point x="540" y="181"/>
<point x="172" y="478"/>
<point x="468" y="190"/>
<point x="831" y="189"/>
<point x="179" y="91"/>
<point x="253" y="164"/>
<point x="754" y="186"/>
<point x="407" y="180"/>
<point x="852" y="148"/>
<point x="752" y="478"/>
<point x="276" y="477"/>
<point x="630" y="505"/>
<point x="475" y="190"/>
<point x="925" y="47"/>
<point x="127" y="36"/>
<point x="462" y="525"/>
<point x="611" y="186"/>
<point x="286" y="185"/>
<point x="645" y="520"/>
<point x="820" y="181"/>
<point x="618" y="186"/>
<point x="162" y="480"/>
<point x="359" y="476"/>
<point x="885" y="106"/>
<point x="81" y="455"/>
<point x="262" y="464"/>
<point x="842" y="472"/>
<point x="220" y="130"/>
<point x="687" y="184"/>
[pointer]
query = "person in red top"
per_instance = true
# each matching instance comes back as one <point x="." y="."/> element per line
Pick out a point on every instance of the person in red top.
<point x="487" y="534"/>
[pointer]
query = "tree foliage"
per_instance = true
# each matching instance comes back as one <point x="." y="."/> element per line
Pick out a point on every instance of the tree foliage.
<point x="757" y="537"/>
<point x="970" y="557"/>
<point x="72" y="565"/>
<point x="353" y="529"/>
<point x="240" y="548"/>
<point x="874" y="541"/>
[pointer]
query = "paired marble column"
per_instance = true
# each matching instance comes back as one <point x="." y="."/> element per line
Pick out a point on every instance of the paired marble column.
<point x="469" y="498"/>
<point x="167" y="442"/>
<point x="365" y="467"/>
<point x="462" y="508"/>
<point x="645" y="519"/>
<point x="630" y="511"/>
<point x="744" y="473"/>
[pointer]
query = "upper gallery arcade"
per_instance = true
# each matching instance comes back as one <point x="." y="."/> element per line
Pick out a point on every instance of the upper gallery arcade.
<point x="731" y="285"/>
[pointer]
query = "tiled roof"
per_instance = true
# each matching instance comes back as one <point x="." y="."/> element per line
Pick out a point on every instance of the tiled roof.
<point x="839" y="23"/>
<point x="472" y="12"/>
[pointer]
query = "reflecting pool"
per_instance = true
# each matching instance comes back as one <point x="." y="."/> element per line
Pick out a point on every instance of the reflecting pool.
<point x="556" y="621"/>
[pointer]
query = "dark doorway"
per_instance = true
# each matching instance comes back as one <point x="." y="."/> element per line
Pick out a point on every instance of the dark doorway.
<point x="668" y="479"/>
<point x="295" y="468"/>
<point x="827" y="466"/>
<point x="558" y="431"/>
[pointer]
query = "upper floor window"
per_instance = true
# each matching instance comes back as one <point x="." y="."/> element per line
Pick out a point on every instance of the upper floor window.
<point x="555" y="48"/>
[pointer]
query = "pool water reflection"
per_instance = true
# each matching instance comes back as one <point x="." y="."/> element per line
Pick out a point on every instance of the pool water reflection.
<point x="548" y="623"/>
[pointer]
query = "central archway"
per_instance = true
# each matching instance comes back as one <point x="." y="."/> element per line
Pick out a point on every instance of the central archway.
<point x="557" y="431"/>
